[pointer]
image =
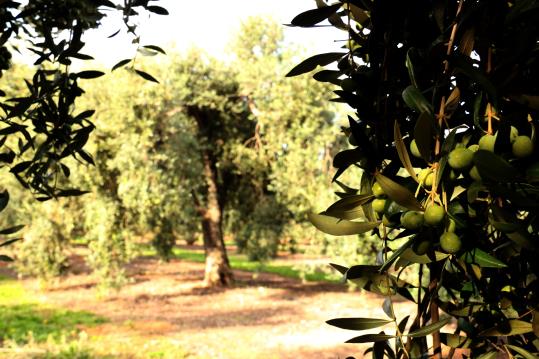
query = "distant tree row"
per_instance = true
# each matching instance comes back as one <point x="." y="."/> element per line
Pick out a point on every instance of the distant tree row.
<point x="213" y="150"/>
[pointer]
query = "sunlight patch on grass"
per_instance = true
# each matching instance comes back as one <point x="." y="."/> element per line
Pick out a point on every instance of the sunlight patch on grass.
<point x="22" y="318"/>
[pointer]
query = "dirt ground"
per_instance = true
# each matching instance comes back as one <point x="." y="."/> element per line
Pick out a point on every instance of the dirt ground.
<point x="262" y="316"/>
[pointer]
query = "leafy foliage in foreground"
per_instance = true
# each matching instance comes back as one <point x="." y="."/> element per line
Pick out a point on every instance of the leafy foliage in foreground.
<point x="455" y="83"/>
<point x="43" y="129"/>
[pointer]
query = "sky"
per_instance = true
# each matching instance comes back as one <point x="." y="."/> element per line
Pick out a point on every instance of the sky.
<point x="210" y="25"/>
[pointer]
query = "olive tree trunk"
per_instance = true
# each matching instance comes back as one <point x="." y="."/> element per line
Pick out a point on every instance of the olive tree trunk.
<point x="218" y="271"/>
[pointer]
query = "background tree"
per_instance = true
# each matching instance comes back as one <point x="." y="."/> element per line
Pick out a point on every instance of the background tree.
<point x="293" y="145"/>
<point x="455" y="82"/>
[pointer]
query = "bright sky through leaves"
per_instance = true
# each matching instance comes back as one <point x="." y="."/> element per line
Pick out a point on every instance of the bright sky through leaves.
<point x="209" y="25"/>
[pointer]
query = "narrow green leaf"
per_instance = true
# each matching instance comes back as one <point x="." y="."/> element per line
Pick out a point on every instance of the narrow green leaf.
<point x="11" y="230"/>
<point x="10" y="241"/>
<point x="340" y="227"/>
<point x="121" y="63"/>
<point x="349" y="207"/>
<point x="403" y="152"/>
<point x="328" y="76"/>
<point x="155" y="48"/>
<point x="526" y="354"/>
<point x="71" y="193"/>
<point x="482" y="259"/>
<point x="466" y="310"/>
<point x="370" y="338"/>
<point x="4" y="200"/>
<point x="410" y="67"/>
<point x="366" y="188"/>
<point x="488" y="355"/>
<point x="517" y="327"/>
<point x="312" y="62"/>
<point x="387" y="306"/>
<point x="415" y="100"/>
<point x="312" y="17"/>
<point x="455" y="340"/>
<point x="348" y="190"/>
<point x="146" y="52"/>
<point x="493" y="167"/>
<point x="358" y="13"/>
<point x="403" y="323"/>
<point x="146" y="76"/>
<point x="90" y="74"/>
<point x="398" y="193"/>
<point x="341" y="269"/>
<point x="358" y="323"/>
<point x="429" y="329"/>
<point x="157" y="10"/>
<point x="396" y="254"/>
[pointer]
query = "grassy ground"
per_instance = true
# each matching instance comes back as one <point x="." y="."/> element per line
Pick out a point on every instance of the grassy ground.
<point x="240" y="262"/>
<point x="24" y="321"/>
<point x="154" y="316"/>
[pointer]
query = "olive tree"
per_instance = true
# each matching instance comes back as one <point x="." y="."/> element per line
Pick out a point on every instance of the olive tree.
<point x="446" y="106"/>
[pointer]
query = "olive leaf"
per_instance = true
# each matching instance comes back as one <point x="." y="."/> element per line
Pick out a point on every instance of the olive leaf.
<point x="398" y="193"/>
<point x="358" y="323"/>
<point x="340" y="227"/>
<point x="429" y="329"/>
<point x="516" y="327"/>
<point x="403" y="152"/>
<point x="350" y="207"/>
<point x="369" y="338"/>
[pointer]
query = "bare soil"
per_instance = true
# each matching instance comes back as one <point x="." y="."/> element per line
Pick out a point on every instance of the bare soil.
<point x="262" y="316"/>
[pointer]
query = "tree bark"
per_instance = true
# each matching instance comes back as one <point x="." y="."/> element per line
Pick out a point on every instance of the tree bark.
<point x="218" y="271"/>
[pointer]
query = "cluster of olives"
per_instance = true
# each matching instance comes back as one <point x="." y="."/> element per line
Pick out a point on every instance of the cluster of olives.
<point x="460" y="158"/>
<point x="434" y="216"/>
<point x="460" y="161"/>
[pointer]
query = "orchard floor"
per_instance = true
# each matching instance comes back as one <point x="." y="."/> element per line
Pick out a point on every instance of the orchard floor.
<point x="166" y="306"/>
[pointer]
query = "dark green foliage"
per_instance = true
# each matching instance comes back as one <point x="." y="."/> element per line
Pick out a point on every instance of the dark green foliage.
<point x="444" y="74"/>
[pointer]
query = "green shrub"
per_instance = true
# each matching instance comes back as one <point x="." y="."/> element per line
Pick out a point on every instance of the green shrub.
<point x="42" y="253"/>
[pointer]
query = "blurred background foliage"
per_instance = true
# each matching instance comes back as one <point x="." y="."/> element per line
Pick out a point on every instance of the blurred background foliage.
<point x="275" y="154"/>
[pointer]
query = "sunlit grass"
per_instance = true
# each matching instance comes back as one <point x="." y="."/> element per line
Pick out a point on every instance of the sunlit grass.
<point x="23" y="318"/>
<point x="240" y="262"/>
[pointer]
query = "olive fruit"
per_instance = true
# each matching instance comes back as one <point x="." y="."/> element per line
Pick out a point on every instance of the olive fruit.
<point x="377" y="190"/>
<point x="412" y="220"/>
<point x="513" y="134"/>
<point x="474" y="147"/>
<point x="522" y="147"/>
<point x="460" y="158"/>
<point x="379" y="205"/>
<point x="450" y="242"/>
<point x="474" y="174"/>
<point x="414" y="149"/>
<point x="434" y="214"/>
<point x="426" y="177"/>
<point x="422" y="247"/>
<point x="487" y="143"/>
